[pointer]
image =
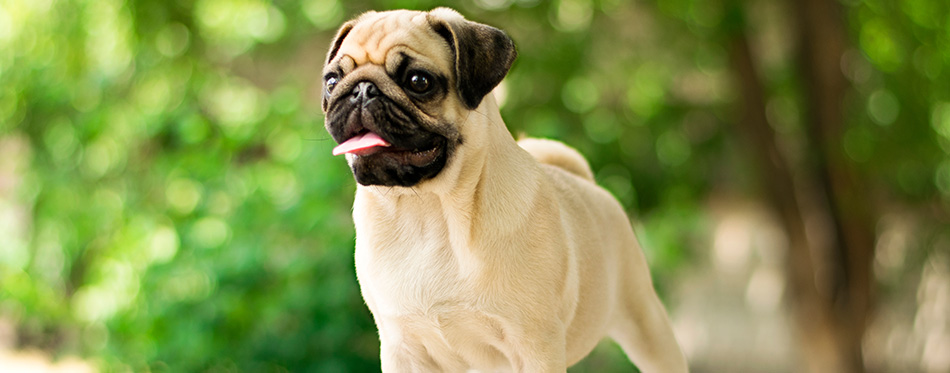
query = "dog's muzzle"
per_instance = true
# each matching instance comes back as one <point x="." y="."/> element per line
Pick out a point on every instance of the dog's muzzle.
<point x="364" y="92"/>
<point x="389" y="145"/>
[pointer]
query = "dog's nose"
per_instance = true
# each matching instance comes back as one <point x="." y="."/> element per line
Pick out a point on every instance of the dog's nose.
<point x="364" y="91"/>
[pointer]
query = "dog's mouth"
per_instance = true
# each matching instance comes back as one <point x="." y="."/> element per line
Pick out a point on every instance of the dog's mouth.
<point x="370" y="144"/>
<point x="377" y="161"/>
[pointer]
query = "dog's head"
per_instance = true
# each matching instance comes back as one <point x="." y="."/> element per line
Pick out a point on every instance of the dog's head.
<point x="398" y="84"/>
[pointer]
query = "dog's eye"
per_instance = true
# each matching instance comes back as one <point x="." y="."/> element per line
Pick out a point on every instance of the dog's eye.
<point x="419" y="82"/>
<point x="331" y="83"/>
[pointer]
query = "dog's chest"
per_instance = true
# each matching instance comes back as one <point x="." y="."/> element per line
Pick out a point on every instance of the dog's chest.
<point x="423" y="296"/>
<point x="405" y="276"/>
<point x="423" y="305"/>
<point x="405" y="260"/>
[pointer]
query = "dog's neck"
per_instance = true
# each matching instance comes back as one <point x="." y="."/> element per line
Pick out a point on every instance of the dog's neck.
<point x="489" y="176"/>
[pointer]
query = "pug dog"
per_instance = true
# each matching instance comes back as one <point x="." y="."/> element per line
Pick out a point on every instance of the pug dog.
<point x="476" y="252"/>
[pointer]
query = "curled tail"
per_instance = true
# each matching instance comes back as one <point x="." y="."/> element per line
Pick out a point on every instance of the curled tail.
<point x="557" y="154"/>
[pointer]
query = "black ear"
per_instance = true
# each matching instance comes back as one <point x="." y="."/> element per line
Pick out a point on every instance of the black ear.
<point x="338" y="40"/>
<point x="334" y="48"/>
<point x="483" y="54"/>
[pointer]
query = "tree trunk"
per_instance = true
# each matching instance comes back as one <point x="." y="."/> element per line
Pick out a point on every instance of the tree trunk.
<point x="831" y="312"/>
<point x="821" y="44"/>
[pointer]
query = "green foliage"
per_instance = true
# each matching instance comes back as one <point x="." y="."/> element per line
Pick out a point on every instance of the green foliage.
<point x="168" y="200"/>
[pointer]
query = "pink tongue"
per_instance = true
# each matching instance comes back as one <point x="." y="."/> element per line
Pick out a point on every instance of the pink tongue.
<point x="365" y="141"/>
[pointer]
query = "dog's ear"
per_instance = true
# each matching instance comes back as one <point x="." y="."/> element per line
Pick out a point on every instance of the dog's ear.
<point x="334" y="48"/>
<point x="338" y="40"/>
<point x="483" y="54"/>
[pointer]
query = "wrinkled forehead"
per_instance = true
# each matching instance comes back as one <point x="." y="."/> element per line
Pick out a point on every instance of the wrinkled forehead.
<point x="378" y="37"/>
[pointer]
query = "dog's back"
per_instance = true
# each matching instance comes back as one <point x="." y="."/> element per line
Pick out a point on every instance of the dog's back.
<point x="557" y="154"/>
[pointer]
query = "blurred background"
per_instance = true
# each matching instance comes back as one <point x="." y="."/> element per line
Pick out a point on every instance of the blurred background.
<point x="168" y="202"/>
